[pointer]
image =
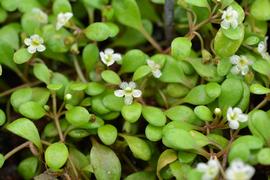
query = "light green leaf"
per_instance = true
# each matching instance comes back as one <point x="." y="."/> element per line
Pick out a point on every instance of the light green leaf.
<point x="56" y="155"/>
<point x="61" y="6"/>
<point x="77" y="116"/>
<point x="107" y="134"/>
<point x="127" y="13"/>
<point x="154" y="115"/>
<point x="181" y="48"/>
<point x="105" y="163"/>
<point x="42" y="72"/>
<point x="111" y="77"/>
<point x="132" y="113"/>
<point x="90" y="56"/>
<point x="168" y="156"/>
<point x="260" y="10"/>
<point x="264" y="156"/>
<point x="259" y="89"/>
<point x="32" y="110"/>
<point x="28" y="167"/>
<point x="199" y="3"/>
<point x="26" y="129"/>
<point x="141" y="72"/>
<point x="21" y="56"/>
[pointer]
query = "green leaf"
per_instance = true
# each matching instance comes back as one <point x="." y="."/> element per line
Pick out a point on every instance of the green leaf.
<point x="2" y="160"/>
<point x="56" y="155"/>
<point x="213" y="89"/>
<point x="10" y="36"/>
<point x="199" y="3"/>
<point x="141" y="72"/>
<point x="138" y="147"/>
<point x="141" y="175"/>
<point x="239" y="151"/>
<point x="225" y="46"/>
<point x="168" y="156"/>
<point x="101" y="31"/>
<point x="32" y="110"/>
<point x="186" y="157"/>
<point x="10" y="5"/>
<point x="105" y="163"/>
<point x="77" y="116"/>
<point x="171" y="139"/>
<point x="234" y="33"/>
<point x="260" y="10"/>
<point x="204" y="113"/>
<point x="90" y="56"/>
<point x="251" y="142"/>
<point x="111" y="77"/>
<point x="20" y="96"/>
<point x="244" y="102"/>
<point x="77" y="86"/>
<point x="78" y="158"/>
<point x="264" y="156"/>
<point x="107" y="134"/>
<point x="21" y="56"/>
<point x="26" y="129"/>
<point x="259" y="89"/>
<point x="198" y="96"/>
<point x="231" y="93"/>
<point x="181" y="48"/>
<point x="42" y="72"/>
<point x="252" y="40"/>
<point x="61" y="6"/>
<point x="154" y="115"/>
<point x="153" y="133"/>
<point x="181" y="113"/>
<point x="113" y="103"/>
<point x="132" y="60"/>
<point x="6" y="54"/>
<point x="95" y="3"/>
<point x="2" y="117"/>
<point x="127" y="13"/>
<point x="98" y="106"/>
<point x="94" y="88"/>
<point x="132" y="113"/>
<point x="177" y="90"/>
<point x="28" y="167"/>
<point x="224" y="66"/>
<point x="261" y="66"/>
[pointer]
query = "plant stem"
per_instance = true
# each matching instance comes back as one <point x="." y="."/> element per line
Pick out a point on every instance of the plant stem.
<point x="17" y="149"/>
<point x="150" y="39"/>
<point x="5" y="93"/>
<point x="168" y="18"/>
<point x="56" y="117"/>
<point x="78" y="69"/>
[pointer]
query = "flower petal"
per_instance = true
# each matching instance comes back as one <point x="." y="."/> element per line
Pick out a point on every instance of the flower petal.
<point x="108" y="51"/>
<point x="136" y="93"/>
<point x="132" y="84"/>
<point x="41" y="48"/>
<point x="235" y="70"/>
<point x="234" y="124"/>
<point x="234" y="59"/>
<point x="32" y="49"/>
<point x="119" y="93"/>
<point x="243" y="117"/>
<point x="157" y="73"/>
<point x="202" y="167"/>
<point x="27" y="41"/>
<point x="123" y="85"/>
<point x="117" y="57"/>
<point x="128" y="100"/>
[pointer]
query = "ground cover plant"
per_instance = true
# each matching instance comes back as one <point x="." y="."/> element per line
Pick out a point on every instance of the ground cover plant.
<point x="134" y="89"/>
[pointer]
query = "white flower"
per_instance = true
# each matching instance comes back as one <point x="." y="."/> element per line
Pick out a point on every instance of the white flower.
<point x="68" y="96"/>
<point x="108" y="57"/>
<point x="34" y="43"/>
<point x="241" y="64"/>
<point x="234" y="116"/>
<point x="155" y="68"/>
<point x="229" y="18"/>
<point x="210" y="169"/>
<point x="239" y="171"/>
<point x="128" y="91"/>
<point x="40" y="15"/>
<point x="217" y="111"/>
<point x="62" y="19"/>
<point x="262" y="48"/>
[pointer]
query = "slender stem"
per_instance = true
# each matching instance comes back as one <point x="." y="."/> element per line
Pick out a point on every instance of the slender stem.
<point x="168" y="18"/>
<point x="56" y="118"/>
<point x="5" y="93"/>
<point x="163" y="98"/>
<point x="17" y="149"/>
<point x="150" y="39"/>
<point x="261" y="104"/>
<point x="78" y="68"/>
<point x="73" y="167"/>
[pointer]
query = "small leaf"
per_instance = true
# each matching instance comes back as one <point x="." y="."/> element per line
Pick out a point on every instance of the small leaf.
<point x="239" y="151"/>
<point x="2" y="160"/>
<point x="56" y="155"/>
<point x="94" y="88"/>
<point x="141" y="72"/>
<point x="105" y="163"/>
<point x="21" y="56"/>
<point x="42" y="72"/>
<point x="107" y="134"/>
<point x="98" y="31"/>
<point x="26" y="129"/>
<point x="261" y="66"/>
<point x="181" y="113"/>
<point x="234" y="33"/>
<point x="181" y="48"/>
<point x="2" y="117"/>
<point x="54" y="87"/>
<point x="141" y="175"/>
<point x="198" y="91"/>
<point x="260" y="10"/>
<point x="204" y="113"/>
<point x="231" y="93"/>
<point x="28" y="167"/>
<point x="113" y="102"/>
<point x="61" y="6"/>
<point x="154" y="116"/>
<point x="132" y="60"/>
<point x="127" y="13"/>
<point x="153" y="133"/>
<point x="199" y="3"/>
<point x="259" y="89"/>
<point x="132" y="113"/>
<point x="138" y="147"/>
<point x="111" y="77"/>
<point x="168" y="156"/>
<point x="77" y="116"/>
<point x="20" y="96"/>
<point x="90" y="56"/>
<point x="32" y="110"/>
<point x="264" y="156"/>
<point x="251" y="142"/>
